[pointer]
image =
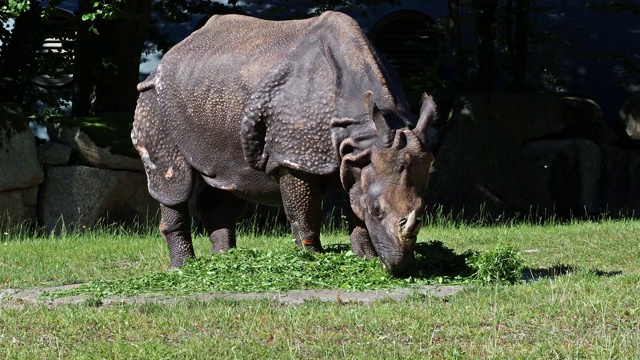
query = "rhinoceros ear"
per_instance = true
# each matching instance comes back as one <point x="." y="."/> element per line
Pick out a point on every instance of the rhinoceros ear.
<point x="428" y="115"/>
<point x="351" y="167"/>
<point x="373" y="113"/>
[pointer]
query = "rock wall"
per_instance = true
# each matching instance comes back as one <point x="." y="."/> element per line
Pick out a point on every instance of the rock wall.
<point x="20" y="171"/>
<point x="531" y="155"/>
<point x="69" y="181"/>
<point x="499" y="154"/>
<point x="83" y="196"/>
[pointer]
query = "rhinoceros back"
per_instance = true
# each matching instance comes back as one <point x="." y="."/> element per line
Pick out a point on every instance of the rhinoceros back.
<point x="241" y="97"/>
<point x="203" y="84"/>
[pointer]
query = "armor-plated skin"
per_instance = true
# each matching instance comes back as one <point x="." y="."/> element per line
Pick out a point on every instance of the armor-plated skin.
<point x="278" y="113"/>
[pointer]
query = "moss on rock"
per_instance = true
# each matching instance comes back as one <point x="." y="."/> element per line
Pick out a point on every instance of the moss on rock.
<point x="109" y="130"/>
<point x="12" y="121"/>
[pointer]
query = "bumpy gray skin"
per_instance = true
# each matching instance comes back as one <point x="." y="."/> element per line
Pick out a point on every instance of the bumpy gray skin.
<point x="279" y="113"/>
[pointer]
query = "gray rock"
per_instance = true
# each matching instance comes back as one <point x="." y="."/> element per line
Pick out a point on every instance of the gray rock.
<point x="480" y="163"/>
<point x="80" y="196"/>
<point x="18" y="156"/>
<point x="89" y="153"/>
<point x="630" y="116"/>
<point x="12" y="209"/>
<point x="583" y="118"/>
<point x="53" y="154"/>
<point x="620" y="182"/>
<point x="18" y="207"/>
<point x="569" y="171"/>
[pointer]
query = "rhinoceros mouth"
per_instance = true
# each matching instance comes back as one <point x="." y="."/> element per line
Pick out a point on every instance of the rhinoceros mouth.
<point x="397" y="264"/>
<point x="395" y="250"/>
<point x="410" y="242"/>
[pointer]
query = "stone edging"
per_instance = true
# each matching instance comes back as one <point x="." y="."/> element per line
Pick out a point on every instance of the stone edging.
<point x="13" y="298"/>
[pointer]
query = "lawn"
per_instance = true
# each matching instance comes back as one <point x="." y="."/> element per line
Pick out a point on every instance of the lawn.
<point x="585" y="302"/>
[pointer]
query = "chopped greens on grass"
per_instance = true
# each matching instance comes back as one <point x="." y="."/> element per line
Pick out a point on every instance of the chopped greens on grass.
<point x="245" y="270"/>
<point x="502" y="265"/>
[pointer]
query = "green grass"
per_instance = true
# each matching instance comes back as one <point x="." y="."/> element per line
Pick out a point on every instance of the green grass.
<point x="589" y="309"/>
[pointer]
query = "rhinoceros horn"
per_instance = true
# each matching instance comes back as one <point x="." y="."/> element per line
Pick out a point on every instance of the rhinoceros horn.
<point x="409" y="226"/>
<point x="385" y="133"/>
<point x="428" y="115"/>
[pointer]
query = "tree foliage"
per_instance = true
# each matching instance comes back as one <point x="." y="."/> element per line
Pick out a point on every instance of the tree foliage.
<point x="19" y="56"/>
<point x="111" y="35"/>
<point x="617" y="6"/>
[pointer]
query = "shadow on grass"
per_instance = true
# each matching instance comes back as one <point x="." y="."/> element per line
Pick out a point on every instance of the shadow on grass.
<point x="555" y="271"/>
<point x="433" y="260"/>
<point x="551" y="272"/>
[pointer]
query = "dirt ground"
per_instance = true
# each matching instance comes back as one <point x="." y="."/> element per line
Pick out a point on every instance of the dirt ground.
<point x="12" y="297"/>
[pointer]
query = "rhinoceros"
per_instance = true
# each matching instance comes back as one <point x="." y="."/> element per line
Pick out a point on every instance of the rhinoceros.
<point x="279" y="113"/>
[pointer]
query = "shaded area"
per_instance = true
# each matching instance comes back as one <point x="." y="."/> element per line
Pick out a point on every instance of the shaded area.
<point x="108" y="130"/>
<point x="555" y="271"/>
<point x="550" y="272"/>
<point x="433" y="260"/>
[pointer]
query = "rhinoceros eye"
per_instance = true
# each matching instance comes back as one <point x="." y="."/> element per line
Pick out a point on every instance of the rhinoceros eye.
<point x="376" y="209"/>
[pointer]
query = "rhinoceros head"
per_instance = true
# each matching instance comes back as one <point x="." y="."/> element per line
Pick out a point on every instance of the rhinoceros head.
<point x="387" y="183"/>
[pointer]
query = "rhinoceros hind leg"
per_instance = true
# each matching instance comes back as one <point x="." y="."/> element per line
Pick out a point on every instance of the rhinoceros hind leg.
<point x="175" y="227"/>
<point x="302" y="200"/>
<point x="219" y="210"/>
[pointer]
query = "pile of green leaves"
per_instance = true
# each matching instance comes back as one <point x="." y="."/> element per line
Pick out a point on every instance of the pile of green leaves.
<point x="502" y="265"/>
<point x="245" y="270"/>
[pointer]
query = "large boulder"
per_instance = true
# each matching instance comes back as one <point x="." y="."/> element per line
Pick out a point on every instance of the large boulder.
<point x="51" y="153"/>
<point x="481" y="164"/>
<point x="630" y="116"/>
<point x="569" y="171"/>
<point x="620" y="182"/>
<point x="18" y="207"/>
<point x="18" y="154"/>
<point x="90" y="154"/>
<point x="20" y="171"/>
<point x="80" y="196"/>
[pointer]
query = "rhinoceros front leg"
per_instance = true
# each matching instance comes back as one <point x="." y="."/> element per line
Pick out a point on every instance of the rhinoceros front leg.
<point x="361" y="243"/>
<point x="219" y="210"/>
<point x="302" y="200"/>
<point x="175" y="227"/>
